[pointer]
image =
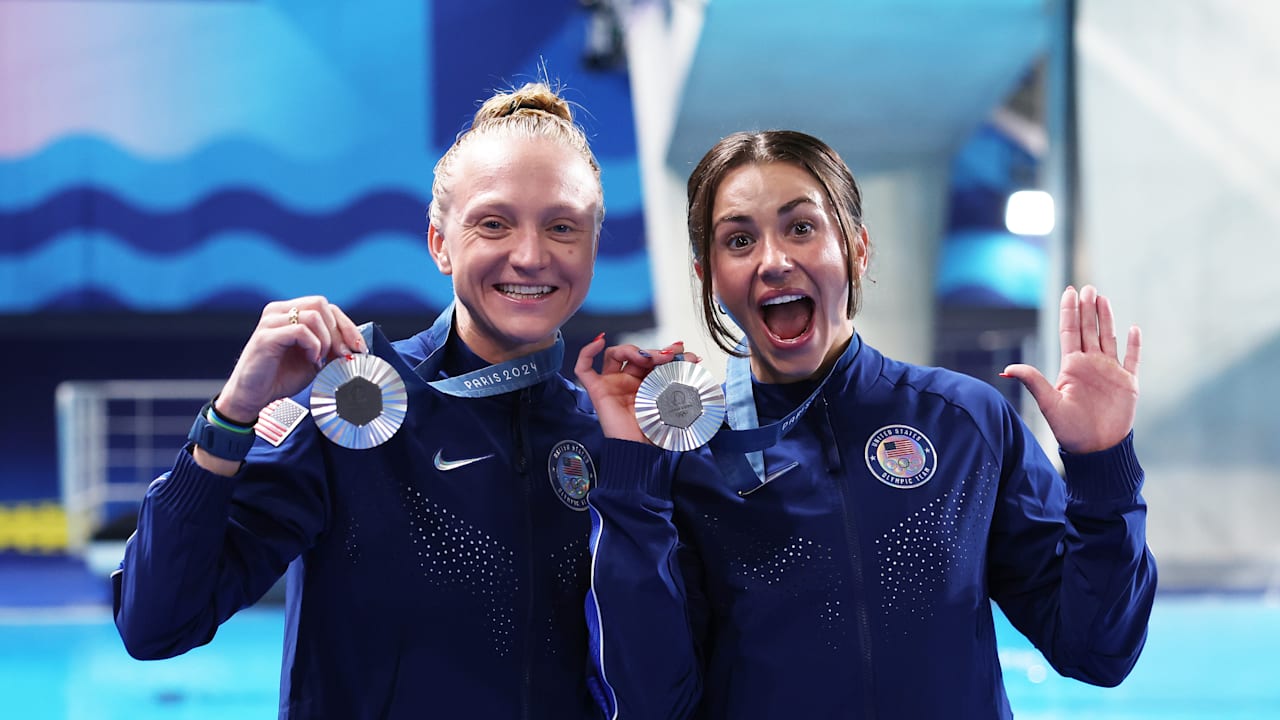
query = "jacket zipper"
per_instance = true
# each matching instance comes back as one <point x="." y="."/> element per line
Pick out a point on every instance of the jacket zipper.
<point x="519" y="429"/>
<point x="855" y="561"/>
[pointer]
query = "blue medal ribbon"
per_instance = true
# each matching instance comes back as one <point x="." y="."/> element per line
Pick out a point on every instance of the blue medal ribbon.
<point x="739" y="450"/>
<point x="497" y="379"/>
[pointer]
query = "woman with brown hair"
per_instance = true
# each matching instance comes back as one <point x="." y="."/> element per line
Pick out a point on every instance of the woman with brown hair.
<point x="848" y="569"/>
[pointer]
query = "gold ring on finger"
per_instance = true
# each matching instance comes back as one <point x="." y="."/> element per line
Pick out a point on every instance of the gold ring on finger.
<point x="293" y="316"/>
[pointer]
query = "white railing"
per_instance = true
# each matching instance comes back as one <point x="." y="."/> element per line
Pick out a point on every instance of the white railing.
<point x="114" y="438"/>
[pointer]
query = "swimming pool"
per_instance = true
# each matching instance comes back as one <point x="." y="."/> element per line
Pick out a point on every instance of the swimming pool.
<point x="1206" y="657"/>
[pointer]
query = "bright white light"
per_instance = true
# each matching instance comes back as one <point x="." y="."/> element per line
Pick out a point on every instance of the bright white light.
<point x="1029" y="212"/>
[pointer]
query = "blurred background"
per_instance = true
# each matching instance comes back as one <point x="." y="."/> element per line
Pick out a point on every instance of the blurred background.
<point x="168" y="166"/>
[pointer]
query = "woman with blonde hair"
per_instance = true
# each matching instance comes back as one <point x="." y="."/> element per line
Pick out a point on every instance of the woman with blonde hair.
<point x="440" y="573"/>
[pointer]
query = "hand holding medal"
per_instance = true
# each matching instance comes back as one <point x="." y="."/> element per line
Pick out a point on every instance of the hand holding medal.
<point x="291" y="342"/>
<point x="661" y="397"/>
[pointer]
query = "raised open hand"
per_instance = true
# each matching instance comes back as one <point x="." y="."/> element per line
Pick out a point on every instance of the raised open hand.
<point x="613" y="389"/>
<point x="1093" y="404"/>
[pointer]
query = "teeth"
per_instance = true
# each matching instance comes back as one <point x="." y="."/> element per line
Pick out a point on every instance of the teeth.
<point x="782" y="299"/>
<point x="527" y="290"/>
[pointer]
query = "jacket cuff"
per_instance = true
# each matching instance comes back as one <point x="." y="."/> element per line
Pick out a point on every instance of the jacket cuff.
<point x="629" y="466"/>
<point x="1108" y="474"/>
<point x="188" y="487"/>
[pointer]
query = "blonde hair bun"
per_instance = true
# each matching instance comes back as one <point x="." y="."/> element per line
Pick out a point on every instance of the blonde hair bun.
<point x="529" y="99"/>
<point x="533" y="111"/>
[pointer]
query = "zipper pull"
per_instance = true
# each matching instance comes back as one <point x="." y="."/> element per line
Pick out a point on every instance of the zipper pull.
<point x="829" y="441"/>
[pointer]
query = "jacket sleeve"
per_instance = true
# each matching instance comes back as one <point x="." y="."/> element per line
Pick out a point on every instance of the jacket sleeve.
<point x="207" y="545"/>
<point x="1068" y="562"/>
<point x="641" y="625"/>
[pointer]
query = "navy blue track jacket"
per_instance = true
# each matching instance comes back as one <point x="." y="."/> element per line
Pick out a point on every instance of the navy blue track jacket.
<point x="419" y="585"/>
<point x="859" y="583"/>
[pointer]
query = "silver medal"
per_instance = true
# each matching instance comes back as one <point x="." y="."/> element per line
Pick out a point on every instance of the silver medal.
<point x="359" y="401"/>
<point x="679" y="406"/>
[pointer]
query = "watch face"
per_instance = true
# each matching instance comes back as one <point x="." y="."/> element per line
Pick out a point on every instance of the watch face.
<point x="359" y="402"/>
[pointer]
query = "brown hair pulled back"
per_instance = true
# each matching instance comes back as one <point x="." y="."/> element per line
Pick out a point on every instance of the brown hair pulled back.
<point x="769" y="146"/>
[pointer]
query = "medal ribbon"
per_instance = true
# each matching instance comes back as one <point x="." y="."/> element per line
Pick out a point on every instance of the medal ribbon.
<point x="739" y="450"/>
<point x="504" y="377"/>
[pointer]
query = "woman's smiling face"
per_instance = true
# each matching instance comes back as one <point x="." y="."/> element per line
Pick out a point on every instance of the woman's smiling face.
<point x="519" y="241"/>
<point x="778" y="265"/>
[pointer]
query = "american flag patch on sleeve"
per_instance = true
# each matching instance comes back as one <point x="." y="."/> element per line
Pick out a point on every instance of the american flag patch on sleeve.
<point x="278" y="419"/>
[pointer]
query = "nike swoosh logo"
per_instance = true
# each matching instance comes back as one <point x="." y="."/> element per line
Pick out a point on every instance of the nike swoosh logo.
<point x="446" y="465"/>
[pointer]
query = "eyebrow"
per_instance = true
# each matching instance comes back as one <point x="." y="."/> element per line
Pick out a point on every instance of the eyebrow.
<point x="487" y="206"/>
<point x="786" y="208"/>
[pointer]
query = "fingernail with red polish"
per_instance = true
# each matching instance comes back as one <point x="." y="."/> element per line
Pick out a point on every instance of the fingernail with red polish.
<point x="598" y="337"/>
<point x="668" y="352"/>
<point x="1005" y="375"/>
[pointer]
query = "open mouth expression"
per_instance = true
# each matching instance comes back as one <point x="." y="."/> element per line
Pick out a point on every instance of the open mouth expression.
<point x="778" y="265"/>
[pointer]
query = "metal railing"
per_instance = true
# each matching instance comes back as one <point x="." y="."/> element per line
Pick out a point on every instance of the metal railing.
<point x="114" y="438"/>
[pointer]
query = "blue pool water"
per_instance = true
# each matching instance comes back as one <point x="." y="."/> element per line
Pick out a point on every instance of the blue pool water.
<point x="76" y="668"/>
<point x="1207" y="657"/>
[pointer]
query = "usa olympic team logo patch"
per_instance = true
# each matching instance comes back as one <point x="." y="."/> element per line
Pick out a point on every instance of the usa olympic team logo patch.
<point x="572" y="473"/>
<point x="901" y="456"/>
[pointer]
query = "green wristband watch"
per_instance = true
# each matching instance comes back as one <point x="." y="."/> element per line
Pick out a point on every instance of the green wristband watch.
<point x="220" y="437"/>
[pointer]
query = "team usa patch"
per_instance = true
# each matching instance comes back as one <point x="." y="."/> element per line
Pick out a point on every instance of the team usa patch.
<point x="572" y="473"/>
<point x="901" y="456"/>
<point x="279" y="419"/>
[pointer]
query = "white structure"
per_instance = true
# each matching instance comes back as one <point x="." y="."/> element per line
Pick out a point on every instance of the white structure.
<point x="1179" y="198"/>
<point x="1180" y="171"/>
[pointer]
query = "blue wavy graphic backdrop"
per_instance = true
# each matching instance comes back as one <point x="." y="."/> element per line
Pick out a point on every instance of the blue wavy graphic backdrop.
<point x="252" y="151"/>
<point x="981" y="263"/>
